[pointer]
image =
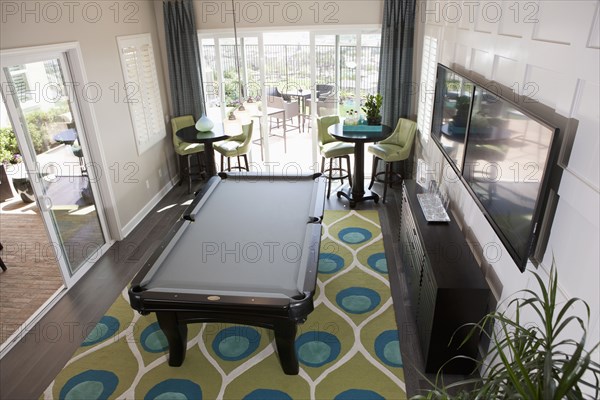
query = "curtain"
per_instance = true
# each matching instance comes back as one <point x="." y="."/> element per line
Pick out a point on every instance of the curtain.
<point x="183" y="55"/>
<point x="395" y="73"/>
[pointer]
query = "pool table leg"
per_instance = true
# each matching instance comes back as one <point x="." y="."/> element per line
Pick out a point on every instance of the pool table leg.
<point x="176" y="334"/>
<point x="285" y="337"/>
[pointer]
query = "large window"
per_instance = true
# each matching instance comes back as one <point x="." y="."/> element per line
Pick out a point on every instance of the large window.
<point x="348" y="62"/>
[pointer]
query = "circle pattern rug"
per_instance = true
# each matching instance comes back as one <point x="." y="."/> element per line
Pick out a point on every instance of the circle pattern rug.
<point x="348" y="348"/>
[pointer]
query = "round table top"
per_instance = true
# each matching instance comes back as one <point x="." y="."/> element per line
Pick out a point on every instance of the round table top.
<point x="191" y="135"/>
<point x="353" y="133"/>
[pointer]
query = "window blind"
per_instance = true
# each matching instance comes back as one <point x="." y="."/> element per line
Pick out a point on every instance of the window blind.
<point x="428" y="72"/>
<point x="141" y="91"/>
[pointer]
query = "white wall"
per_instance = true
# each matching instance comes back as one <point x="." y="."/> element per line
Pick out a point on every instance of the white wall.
<point x="95" y="25"/>
<point x="548" y="50"/>
<point x="287" y="14"/>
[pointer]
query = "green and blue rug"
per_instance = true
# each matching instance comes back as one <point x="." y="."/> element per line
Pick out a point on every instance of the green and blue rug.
<point x="348" y="348"/>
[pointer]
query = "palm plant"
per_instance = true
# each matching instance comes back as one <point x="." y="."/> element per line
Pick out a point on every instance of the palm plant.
<point x="532" y="361"/>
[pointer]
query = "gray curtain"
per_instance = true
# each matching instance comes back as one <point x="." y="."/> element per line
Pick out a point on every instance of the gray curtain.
<point x="395" y="73"/>
<point x="183" y="55"/>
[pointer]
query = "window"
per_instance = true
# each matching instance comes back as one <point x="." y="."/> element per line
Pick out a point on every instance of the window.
<point x="428" y="71"/>
<point x="141" y="89"/>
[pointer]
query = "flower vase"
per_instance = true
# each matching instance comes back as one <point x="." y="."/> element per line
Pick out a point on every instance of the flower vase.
<point x="204" y="124"/>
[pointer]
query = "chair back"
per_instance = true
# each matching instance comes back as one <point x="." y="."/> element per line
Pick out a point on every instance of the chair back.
<point x="322" y="124"/>
<point x="403" y="136"/>
<point x="178" y="123"/>
<point x="275" y="102"/>
<point x="247" y="133"/>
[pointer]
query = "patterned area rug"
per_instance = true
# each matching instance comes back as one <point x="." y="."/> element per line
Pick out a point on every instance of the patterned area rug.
<point x="348" y="348"/>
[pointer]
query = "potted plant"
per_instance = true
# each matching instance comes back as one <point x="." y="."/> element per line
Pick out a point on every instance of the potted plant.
<point x="532" y="360"/>
<point x="372" y="108"/>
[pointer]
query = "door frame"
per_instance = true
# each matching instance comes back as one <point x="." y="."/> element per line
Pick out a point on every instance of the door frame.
<point x="71" y="60"/>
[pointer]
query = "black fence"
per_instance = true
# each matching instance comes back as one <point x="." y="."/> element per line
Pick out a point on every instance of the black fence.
<point x="288" y="66"/>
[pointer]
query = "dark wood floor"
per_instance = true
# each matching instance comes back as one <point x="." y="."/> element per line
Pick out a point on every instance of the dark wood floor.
<point x="32" y="364"/>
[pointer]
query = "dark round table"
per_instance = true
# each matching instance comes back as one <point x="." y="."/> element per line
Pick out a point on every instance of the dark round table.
<point x="191" y="135"/>
<point x="359" y="135"/>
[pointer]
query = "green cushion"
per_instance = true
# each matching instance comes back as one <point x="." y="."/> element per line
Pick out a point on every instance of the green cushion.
<point x="237" y="145"/>
<point x="388" y="152"/>
<point x="185" y="148"/>
<point x="336" y="149"/>
<point x="229" y="148"/>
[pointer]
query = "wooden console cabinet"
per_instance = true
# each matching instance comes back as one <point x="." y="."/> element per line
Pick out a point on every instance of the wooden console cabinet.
<point x="447" y="287"/>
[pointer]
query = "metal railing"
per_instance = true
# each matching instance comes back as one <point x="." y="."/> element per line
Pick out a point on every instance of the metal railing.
<point x="288" y="66"/>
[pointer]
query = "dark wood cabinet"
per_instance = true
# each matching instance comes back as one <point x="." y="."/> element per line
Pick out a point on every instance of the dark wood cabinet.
<point x="446" y="286"/>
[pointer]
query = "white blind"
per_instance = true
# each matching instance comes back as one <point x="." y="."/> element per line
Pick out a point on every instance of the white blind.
<point x="141" y="91"/>
<point x="428" y="71"/>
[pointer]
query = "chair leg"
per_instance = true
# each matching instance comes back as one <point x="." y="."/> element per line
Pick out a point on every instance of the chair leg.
<point x="322" y="164"/>
<point x="246" y="161"/>
<point x="388" y="177"/>
<point x="373" y="171"/>
<point x="330" y="176"/>
<point x="181" y="169"/>
<point x="239" y="160"/>
<point x="222" y="163"/>
<point x="189" y="173"/>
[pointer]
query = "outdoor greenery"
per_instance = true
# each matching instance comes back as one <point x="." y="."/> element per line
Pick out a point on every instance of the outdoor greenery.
<point x="532" y="360"/>
<point x="40" y="125"/>
<point x="8" y="146"/>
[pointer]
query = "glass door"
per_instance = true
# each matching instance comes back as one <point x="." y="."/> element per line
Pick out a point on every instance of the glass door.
<point x="56" y="170"/>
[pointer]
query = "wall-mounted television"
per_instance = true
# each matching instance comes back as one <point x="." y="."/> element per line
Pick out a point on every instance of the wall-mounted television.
<point x="503" y="153"/>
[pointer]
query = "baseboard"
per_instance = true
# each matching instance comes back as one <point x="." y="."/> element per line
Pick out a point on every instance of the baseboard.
<point x="130" y="226"/>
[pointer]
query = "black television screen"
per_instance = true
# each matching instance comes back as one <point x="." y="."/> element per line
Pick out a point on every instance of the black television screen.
<point x="451" y="113"/>
<point x="506" y="161"/>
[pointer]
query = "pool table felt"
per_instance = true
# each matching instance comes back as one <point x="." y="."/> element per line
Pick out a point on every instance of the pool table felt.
<point x="249" y="238"/>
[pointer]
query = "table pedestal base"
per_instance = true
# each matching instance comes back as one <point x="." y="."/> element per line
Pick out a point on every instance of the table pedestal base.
<point x="355" y="198"/>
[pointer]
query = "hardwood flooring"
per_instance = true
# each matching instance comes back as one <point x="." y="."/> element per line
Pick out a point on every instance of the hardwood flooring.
<point x="32" y="275"/>
<point x="32" y="364"/>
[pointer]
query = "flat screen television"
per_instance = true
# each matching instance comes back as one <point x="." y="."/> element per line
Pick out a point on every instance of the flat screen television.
<point x="453" y="101"/>
<point x="507" y="157"/>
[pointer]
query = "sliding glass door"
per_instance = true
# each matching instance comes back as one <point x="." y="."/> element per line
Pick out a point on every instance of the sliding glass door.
<point x="54" y="168"/>
<point x="316" y="72"/>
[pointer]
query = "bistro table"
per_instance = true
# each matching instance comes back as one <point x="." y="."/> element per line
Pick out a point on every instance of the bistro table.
<point x="191" y="135"/>
<point x="67" y="137"/>
<point x="359" y="135"/>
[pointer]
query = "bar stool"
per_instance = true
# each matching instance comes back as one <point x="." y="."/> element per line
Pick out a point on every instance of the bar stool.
<point x="395" y="148"/>
<point x="332" y="149"/>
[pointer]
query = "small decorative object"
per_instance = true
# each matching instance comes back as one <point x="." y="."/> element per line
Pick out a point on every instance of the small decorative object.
<point x="204" y="124"/>
<point x="372" y="109"/>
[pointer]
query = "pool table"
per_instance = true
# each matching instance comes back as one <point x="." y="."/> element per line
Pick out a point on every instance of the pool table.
<point x="246" y="252"/>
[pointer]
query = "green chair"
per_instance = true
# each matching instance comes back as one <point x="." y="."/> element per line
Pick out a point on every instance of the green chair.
<point x="184" y="150"/>
<point x="235" y="147"/>
<point x="395" y="148"/>
<point x="333" y="149"/>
